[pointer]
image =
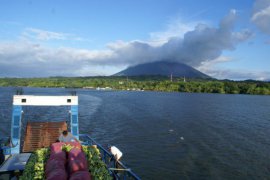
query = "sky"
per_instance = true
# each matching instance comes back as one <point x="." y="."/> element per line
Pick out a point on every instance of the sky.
<point x="226" y="39"/>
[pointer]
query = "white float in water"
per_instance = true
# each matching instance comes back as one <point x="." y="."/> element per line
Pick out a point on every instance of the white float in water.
<point x="182" y="138"/>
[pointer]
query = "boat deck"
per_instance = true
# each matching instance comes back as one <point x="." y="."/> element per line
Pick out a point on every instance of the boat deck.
<point x="42" y="134"/>
<point x="15" y="162"/>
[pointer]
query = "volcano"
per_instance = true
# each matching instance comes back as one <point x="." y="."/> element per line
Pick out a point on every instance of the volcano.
<point x="162" y="68"/>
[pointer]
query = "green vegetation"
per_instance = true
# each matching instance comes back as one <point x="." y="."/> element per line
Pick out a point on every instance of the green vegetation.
<point x="35" y="166"/>
<point x="148" y="83"/>
<point x="67" y="148"/>
<point x="96" y="166"/>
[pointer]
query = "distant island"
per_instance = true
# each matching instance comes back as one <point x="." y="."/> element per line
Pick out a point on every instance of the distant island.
<point x="145" y="83"/>
<point x="163" y="75"/>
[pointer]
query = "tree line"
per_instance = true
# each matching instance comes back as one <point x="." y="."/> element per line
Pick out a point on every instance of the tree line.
<point x="148" y="83"/>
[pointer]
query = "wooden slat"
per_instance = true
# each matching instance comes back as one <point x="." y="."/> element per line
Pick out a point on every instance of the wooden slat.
<point x="42" y="134"/>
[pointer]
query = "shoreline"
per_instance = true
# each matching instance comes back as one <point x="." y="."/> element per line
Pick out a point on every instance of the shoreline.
<point x="159" y="84"/>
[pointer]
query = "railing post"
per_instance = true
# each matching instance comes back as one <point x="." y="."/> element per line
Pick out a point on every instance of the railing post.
<point x="16" y="129"/>
<point x="74" y="122"/>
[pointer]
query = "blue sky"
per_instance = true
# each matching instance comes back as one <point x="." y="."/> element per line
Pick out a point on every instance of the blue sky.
<point x="225" y="38"/>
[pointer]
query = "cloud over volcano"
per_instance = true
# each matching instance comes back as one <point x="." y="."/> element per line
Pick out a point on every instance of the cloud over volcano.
<point x="202" y="44"/>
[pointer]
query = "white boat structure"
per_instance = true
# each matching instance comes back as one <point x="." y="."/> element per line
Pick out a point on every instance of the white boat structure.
<point x="20" y="151"/>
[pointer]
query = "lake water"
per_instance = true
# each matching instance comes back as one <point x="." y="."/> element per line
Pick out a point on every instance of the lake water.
<point x="169" y="135"/>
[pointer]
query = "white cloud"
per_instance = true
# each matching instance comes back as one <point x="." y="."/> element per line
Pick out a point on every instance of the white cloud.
<point x="261" y="15"/>
<point x="202" y="43"/>
<point x="243" y="35"/>
<point x="22" y="59"/>
<point x="185" y="44"/>
<point x="240" y="74"/>
<point x="210" y="64"/>
<point x="175" y="28"/>
<point x="212" y="69"/>
<point x="44" y="35"/>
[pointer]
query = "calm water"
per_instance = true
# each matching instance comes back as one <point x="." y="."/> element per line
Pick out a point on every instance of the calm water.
<point x="169" y="135"/>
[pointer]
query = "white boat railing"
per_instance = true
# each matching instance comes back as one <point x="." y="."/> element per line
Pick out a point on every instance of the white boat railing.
<point x="116" y="168"/>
